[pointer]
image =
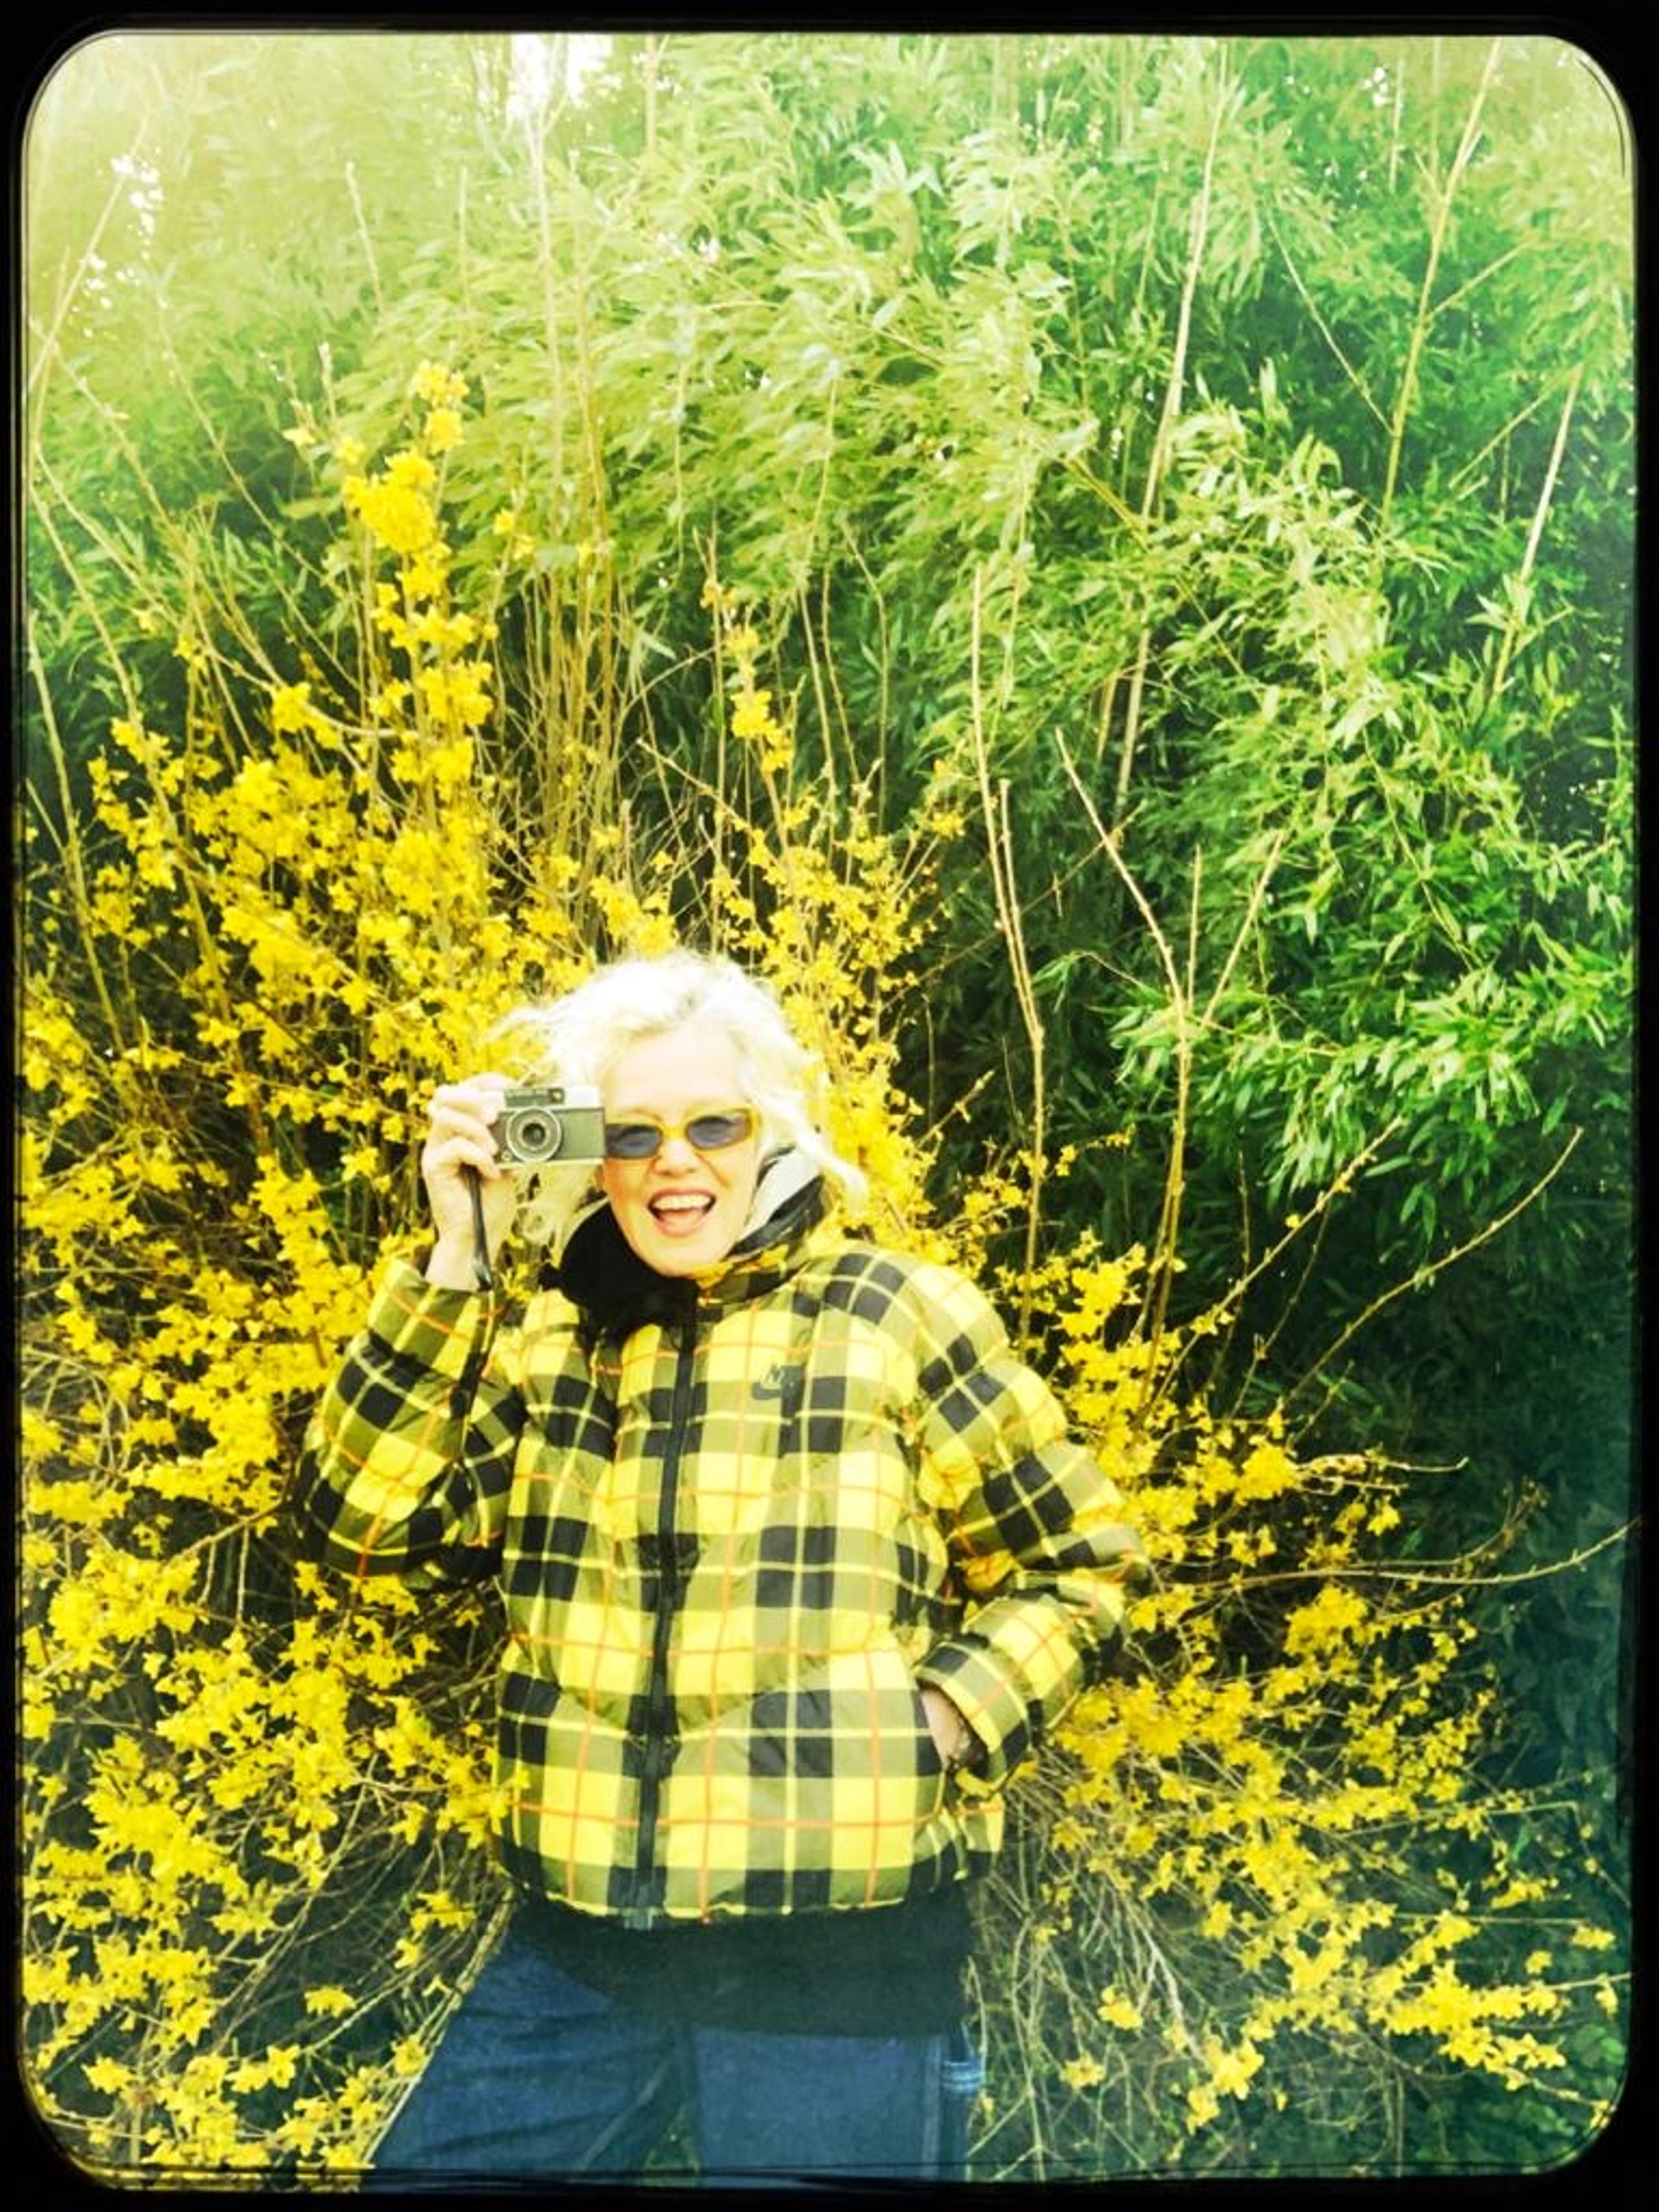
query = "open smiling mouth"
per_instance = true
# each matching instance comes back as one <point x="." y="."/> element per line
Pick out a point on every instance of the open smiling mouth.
<point x="682" y="1211"/>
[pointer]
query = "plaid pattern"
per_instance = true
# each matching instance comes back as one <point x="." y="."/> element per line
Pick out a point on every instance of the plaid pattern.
<point x="730" y="1553"/>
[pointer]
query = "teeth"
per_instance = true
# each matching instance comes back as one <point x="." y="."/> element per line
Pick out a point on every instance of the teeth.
<point x="689" y="1205"/>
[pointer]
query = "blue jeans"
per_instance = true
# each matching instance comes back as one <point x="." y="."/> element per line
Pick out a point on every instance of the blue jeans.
<point x="539" y="2076"/>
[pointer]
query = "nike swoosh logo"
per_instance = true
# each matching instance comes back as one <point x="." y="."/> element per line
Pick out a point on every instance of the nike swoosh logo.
<point x="782" y="1383"/>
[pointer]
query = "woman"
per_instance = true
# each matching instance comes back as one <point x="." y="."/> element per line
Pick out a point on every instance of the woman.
<point x="798" y="1565"/>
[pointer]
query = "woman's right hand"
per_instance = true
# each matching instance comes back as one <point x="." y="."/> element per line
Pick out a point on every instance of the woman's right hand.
<point x="461" y="1136"/>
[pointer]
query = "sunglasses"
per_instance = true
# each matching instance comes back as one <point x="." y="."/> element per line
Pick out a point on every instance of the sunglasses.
<point x="711" y="1129"/>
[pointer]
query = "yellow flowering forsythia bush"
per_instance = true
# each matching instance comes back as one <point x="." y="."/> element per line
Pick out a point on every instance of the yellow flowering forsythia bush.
<point x="1271" y="1885"/>
<point x="254" y="1805"/>
<point x="241" y="984"/>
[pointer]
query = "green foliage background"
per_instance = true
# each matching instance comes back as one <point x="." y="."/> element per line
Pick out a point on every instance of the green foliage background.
<point x="1204" y="465"/>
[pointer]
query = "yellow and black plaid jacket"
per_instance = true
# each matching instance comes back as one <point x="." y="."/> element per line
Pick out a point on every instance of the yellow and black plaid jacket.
<point x="733" y="1539"/>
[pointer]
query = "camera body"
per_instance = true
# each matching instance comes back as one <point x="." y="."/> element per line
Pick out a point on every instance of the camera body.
<point x="541" y="1124"/>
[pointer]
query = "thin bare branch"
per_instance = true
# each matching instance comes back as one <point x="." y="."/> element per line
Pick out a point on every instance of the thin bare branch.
<point x="999" y="837"/>
<point x="1511" y="638"/>
<point x="1425" y="316"/>
<point x="1421" y="1277"/>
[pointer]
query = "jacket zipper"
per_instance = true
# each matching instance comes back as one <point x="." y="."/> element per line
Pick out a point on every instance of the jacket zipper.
<point x="643" y="1913"/>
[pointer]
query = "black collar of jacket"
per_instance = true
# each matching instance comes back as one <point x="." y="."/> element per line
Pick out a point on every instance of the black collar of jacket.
<point x="614" y="1290"/>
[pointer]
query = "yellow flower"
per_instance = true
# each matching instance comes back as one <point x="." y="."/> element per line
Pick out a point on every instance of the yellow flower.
<point x="443" y="430"/>
<point x="520" y="544"/>
<point x="291" y="708"/>
<point x="1231" y="2071"/>
<point x="1202" y="2106"/>
<point x="437" y="386"/>
<point x="133" y="739"/>
<point x="329" y="2002"/>
<point x="751" y="717"/>
<point x="1326" y="1621"/>
<point x="394" y="507"/>
<point x="1267" y="1472"/>
<point x="390" y="700"/>
<point x="753" y="720"/>
<point x="1524" y="1890"/>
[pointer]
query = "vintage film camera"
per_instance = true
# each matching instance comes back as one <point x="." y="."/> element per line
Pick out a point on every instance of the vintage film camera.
<point x="541" y="1124"/>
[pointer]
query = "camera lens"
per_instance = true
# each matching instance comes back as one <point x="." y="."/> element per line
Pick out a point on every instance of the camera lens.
<point x="534" y="1135"/>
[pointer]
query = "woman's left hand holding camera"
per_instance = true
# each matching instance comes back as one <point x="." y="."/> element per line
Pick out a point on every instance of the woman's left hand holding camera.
<point x="460" y="1138"/>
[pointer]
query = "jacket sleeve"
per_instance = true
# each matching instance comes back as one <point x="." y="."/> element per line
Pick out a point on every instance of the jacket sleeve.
<point x="408" y="1456"/>
<point x="1034" y="1526"/>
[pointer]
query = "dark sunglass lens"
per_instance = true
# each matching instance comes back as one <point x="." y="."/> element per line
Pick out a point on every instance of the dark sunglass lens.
<point x="713" y="1133"/>
<point x="631" y="1140"/>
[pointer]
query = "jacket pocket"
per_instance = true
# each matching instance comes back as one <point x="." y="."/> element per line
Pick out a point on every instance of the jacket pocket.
<point x="527" y="1699"/>
<point x="927" y="1755"/>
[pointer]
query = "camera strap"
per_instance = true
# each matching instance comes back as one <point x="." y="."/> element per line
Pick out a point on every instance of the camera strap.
<point x="481" y="1267"/>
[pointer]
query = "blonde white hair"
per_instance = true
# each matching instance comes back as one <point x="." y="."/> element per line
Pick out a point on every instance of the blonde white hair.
<point x="577" y="1039"/>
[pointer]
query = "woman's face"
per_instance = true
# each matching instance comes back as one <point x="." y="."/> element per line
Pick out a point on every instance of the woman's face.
<point x="681" y="1210"/>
